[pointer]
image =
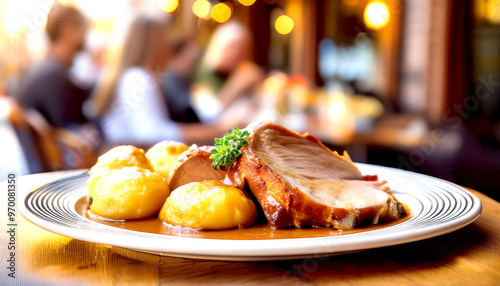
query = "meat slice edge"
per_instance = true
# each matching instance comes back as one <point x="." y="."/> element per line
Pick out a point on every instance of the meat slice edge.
<point x="311" y="185"/>
<point x="194" y="165"/>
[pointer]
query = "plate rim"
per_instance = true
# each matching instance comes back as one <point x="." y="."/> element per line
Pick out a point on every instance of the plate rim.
<point x="269" y="249"/>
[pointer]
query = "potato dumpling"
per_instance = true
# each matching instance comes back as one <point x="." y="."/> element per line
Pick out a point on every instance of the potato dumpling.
<point x="208" y="205"/>
<point x="164" y="155"/>
<point x="117" y="158"/>
<point x="129" y="193"/>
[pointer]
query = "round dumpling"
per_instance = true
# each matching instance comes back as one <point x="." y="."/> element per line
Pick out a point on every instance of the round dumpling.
<point x="208" y="205"/>
<point x="117" y="158"/>
<point x="163" y="156"/>
<point x="129" y="193"/>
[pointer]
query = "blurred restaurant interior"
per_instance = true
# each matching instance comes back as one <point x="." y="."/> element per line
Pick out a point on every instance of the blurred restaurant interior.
<point x="410" y="84"/>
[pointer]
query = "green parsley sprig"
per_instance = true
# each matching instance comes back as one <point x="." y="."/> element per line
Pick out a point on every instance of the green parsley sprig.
<point x="227" y="149"/>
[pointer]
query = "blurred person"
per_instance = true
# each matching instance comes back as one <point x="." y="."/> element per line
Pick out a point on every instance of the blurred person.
<point x="130" y="102"/>
<point x="177" y="80"/>
<point x="225" y="73"/>
<point x="88" y="65"/>
<point x="47" y="87"/>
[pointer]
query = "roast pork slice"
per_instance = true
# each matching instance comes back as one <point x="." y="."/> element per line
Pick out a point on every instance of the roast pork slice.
<point x="194" y="165"/>
<point x="300" y="182"/>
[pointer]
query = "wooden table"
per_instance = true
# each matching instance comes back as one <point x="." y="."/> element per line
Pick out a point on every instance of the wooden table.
<point x="470" y="256"/>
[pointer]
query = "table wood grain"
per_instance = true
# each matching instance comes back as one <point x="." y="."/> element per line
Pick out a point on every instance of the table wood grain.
<point x="469" y="256"/>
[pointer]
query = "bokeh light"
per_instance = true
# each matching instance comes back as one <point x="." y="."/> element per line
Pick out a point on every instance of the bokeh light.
<point x="12" y="26"/>
<point x="337" y="107"/>
<point x="201" y="8"/>
<point x="376" y="15"/>
<point x="221" y="12"/>
<point x="105" y="25"/>
<point x="247" y="2"/>
<point x="12" y="22"/>
<point x="168" y="6"/>
<point x="488" y="9"/>
<point x="284" y="24"/>
<point x="274" y="84"/>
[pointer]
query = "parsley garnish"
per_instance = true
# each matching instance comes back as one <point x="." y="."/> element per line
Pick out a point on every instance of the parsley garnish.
<point x="227" y="149"/>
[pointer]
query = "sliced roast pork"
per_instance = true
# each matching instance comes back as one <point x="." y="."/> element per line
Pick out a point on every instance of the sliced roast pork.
<point x="194" y="165"/>
<point x="300" y="182"/>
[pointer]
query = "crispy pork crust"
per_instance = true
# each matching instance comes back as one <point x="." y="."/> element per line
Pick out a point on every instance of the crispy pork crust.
<point x="261" y="180"/>
<point x="286" y="206"/>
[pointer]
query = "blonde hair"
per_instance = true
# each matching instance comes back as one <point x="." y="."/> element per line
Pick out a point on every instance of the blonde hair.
<point x="141" y="46"/>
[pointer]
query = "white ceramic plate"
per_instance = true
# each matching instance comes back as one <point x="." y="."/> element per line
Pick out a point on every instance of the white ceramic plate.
<point x="437" y="207"/>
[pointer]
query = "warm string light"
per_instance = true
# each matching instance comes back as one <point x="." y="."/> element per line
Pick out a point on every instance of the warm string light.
<point x="168" y="6"/>
<point x="201" y="8"/>
<point x="246" y="2"/>
<point x="376" y="15"/>
<point x="284" y="24"/>
<point x="221" y="12"/>
<point x="490" y="10"/>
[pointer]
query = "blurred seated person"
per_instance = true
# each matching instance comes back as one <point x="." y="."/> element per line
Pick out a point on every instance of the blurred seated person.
<point x="130" y="102"/>
<point x="176" y="82"/>
<point x="46" y="87"/>
<point x="225" y="73"/>
<point x="88" y="65"/>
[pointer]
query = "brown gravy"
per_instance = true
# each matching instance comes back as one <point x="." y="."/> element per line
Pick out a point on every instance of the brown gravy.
<point x="154" y="225"/>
